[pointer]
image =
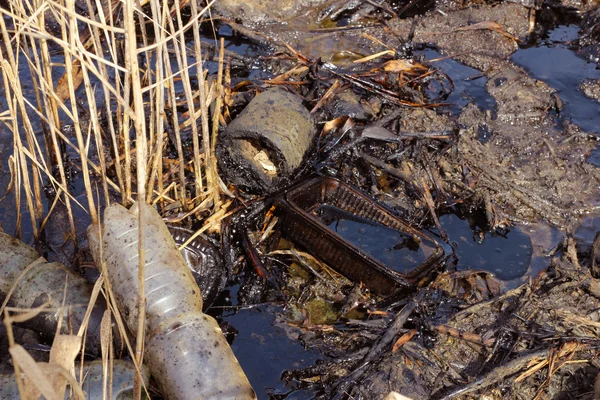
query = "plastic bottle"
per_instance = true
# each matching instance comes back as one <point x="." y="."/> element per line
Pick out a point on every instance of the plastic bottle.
<point x="184" y="348"/>
<point x="122" y="381"/>
<point x="45" y="283"/>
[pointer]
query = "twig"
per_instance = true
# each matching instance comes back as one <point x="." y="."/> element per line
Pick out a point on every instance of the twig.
<point x="516" y="292"/>
<point x="459" y="334"/>
<point x="384" y="6"/>
<point x="497" y="374"/>
<point x="251" y="253"/>
<point x="384" y="341"/>
<point x="396" y="172"/>
<point x="327" y="96"/>
<point x="431" y="205"/>
<point x="250" y="34"/>
<point x="385" y="93"/>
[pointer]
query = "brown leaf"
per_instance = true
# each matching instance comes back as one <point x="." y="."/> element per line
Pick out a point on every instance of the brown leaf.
<point x="31" y="369"/>
<point x="403" y="339"/>
<point x="492" y="26"/>
<point x="396" y="396"/>
<point x="333" y="124"/>
<point x="407" y="66"/>
<point x="63" y="352"/>
<point x="62" y="87"/>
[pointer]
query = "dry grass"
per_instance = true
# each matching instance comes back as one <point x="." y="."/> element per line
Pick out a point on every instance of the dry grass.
<point x="109" y="64"/>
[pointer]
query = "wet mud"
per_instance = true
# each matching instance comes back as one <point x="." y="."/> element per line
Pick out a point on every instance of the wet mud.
<point x="524" y="141"/>
<point x="516" y="193"/>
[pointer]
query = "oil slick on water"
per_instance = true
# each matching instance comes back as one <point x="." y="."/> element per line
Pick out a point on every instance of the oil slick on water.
<point x="505" y="254"/>
<point x="555" y="63"/>
<point x="398" y="250"/>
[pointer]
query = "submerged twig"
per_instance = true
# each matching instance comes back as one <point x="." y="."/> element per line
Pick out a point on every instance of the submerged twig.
<point x="376" y="350"/>
<point x="468" y="336"/>
<point x="496" y="375"/>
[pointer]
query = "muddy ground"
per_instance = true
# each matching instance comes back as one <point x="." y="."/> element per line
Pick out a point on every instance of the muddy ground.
<point x="465" y="334"/>
<point x="539" y="339"/>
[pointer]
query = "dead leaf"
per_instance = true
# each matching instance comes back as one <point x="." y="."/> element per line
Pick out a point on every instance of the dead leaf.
<point x="63" y="352"/>
<point x="31" y="369"/>
<point x="403" y="339"/>
<point x="333" y="124"/>
<point x="396" y="396"/>
<point x="407" y="66"/>
<point x="263" y="159"/>
<point x="492" y="26"/>
<point x="62" y="87"/>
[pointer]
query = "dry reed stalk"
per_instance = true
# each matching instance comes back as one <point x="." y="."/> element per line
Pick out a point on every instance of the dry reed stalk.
<point x="143" y="53"/>
<point x="82" y="332"/>
<point x="211" y="161"/>
<point x="26" y="153"/>
<point x="95" y="130"/>
<point x="157" y="92"/>
<point x="96" y="44"/>
<point x="227" y="100"/>
<point x="210" y="180"/>
<point x="187" y="88"/>
<point x="15" y="175"/>
<point x="102" y="60"/>
<point x="70" y="34"/>
<point x="33" y="143"/>
<point x="205" y="205"/>
<point x="30" y="134"/>
<point x="212" y="223"/>
<point x="299" y="255"/>
<point x="172" y="105"/>
<point x="139" y="125"/>
<point x="16" y="105"/>
<point x="23" y="173"/>
<point x="124" y="135"/>
<point x="54" y="203"/>
<point x="162" y="196"/>
<point x="53" y="120"/>
<point x="111" y="43"/>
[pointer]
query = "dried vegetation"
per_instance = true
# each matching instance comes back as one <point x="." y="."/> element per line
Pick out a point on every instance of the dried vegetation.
<point x="131" y="108"/>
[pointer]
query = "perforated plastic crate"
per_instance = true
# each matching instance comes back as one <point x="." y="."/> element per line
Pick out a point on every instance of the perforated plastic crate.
<point x="357" y="236"/>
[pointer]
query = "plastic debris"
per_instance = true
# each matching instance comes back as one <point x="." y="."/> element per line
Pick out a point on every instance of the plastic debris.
<point x="184" y="348"/>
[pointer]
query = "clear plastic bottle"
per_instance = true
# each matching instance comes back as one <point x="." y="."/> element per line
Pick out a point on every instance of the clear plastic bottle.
<point x="184" y="348"/>
<point x="122" y="381"/>
<point x="45" y="283"/>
